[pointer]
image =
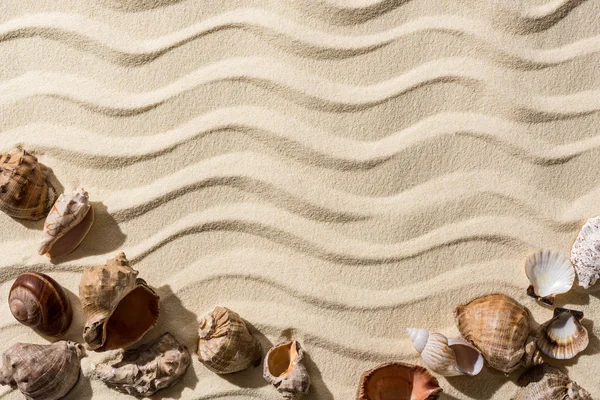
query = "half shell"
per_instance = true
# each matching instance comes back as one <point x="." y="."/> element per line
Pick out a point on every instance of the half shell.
<point x="585" y="253"/>
<point x="398" y="381"/>
<point x="544" y="382"/>
<point x="147" y="369"/>
<point x="284" y="368"/>
<point x="119" y="307"/>
<point x="447" y="357"/>
<point x="42" y="372"/>
<point x="563" y="337"/>
<point x="550" y="273"/>
<point x="70" y="219"/>
<point x="225" y="345"/>
<point x="25" y="192"/>
<point x="499" y="327"/>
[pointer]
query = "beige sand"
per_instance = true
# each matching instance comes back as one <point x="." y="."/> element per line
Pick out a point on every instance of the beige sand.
<point x="332" y="170"/>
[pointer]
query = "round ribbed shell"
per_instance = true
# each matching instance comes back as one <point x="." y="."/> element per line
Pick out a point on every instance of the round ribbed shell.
<point x="585" y="253"/>
<point x="544" y="382"/>
<point x="563" y="337"/>
<point x="398" y="381"/>
<point x="550" y="273"/>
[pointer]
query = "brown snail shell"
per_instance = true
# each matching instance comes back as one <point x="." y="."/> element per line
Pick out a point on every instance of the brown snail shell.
<point x="398" y="381"/>
<point x="563" y="337"/>
<point x="119" y="307"/>
<point x="25" y="192"/>
<point x="284" y="368"/>
<point x="38" y="301"/>
<point x="544" y="382"/>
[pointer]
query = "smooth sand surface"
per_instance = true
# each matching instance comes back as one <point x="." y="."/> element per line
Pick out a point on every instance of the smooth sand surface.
<point x="333" y="170"/>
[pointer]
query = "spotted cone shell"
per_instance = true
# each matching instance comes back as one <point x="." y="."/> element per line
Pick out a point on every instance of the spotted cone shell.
<point x="284" y="368"/>
<point x="398" y="381"/>
<point x="585" y="253"/>
<point x="563" y="337"/>
<point x="499" y="327"/>
<point x="544" y="382"/>
<point x="25" y="192"/>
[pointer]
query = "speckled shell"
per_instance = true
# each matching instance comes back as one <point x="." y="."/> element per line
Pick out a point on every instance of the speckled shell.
<point x="550" y="273"/>
<point x="585" y="253"/>
<point x="25" y="192"/>
<point x="42" y="372"/>
<point x="499" y="327"/>
<point x="119" y="307"/>
<point x="70" y="219"/>
<point x="563" y="337"/>
<point x="147" y="369"/>
<point x="544" y="382"/>
<point x="284" y="368"/>
<point x="399" y="381"/>
<point x="225" y="344"/>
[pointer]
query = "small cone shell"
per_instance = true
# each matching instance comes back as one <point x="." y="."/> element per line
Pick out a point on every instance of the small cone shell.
<point x="42" y="372"/>
<point x="544" y="382"/>
<point x="119" y="307"/>
<point x="563" y="337"/>
<point x="585" y="253"/>
<point x="499" y="327"/>
<point x="398" y="381"/>
<point x="25" y="192"/>
<point x="284" y="368"/>
<point x="225" y="344"/>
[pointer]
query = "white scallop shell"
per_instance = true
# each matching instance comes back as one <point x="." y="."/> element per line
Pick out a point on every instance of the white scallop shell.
<point x="550" y="273"/>
<point x="446" y="356"/>
<point x="585" y="253"/>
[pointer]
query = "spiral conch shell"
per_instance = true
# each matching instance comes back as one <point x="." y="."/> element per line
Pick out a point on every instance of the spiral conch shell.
<point x="225" y="345"/>
<point x="398" y="381"/>
<point x="550" y="273"/>
<point x="499" y="327"/>
<point x="446" y="356"/>
<point x="42" y="372"/>
<point x="119" y="307"/>
<point x="563" y="337"/>
<point x="284" y="368"/>
<point x="544" y="382"/>
<point x="25" y="192"/>
<point x="147" y="369"/>
<point x="585" y="253"/>
<point x="70" y="219"/>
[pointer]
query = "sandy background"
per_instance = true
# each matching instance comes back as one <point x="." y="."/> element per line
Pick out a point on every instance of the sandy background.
<point x="334" y="171"/>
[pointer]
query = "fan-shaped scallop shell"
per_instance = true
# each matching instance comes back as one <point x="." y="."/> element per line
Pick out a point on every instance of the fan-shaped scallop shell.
<point x="398" y="381"/>
<point x="147" y="369"/>
<point x="25" y="192"/>
<point x="119" y="307"/>
<point x="284" y="368"/>
<point x="585" y="253"/>
<point x="550" y="273"/>
<point x="563" y="337"/>
<point x="446" y="356"/>
<point x="70" y="219"/>
<point x="225" y="345"/>
<point x="544" y="382"/>
<point x="42" y="372"/>
<point x="499" y="327"/>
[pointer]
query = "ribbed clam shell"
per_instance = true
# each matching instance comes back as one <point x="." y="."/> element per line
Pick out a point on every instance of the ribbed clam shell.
<point x="544" y="382"/>
<point x="563" y="337"/>
<point x="42" y="372"/>
<point x="585" y="253"/>
<point x="550" y="273"/>
<point x="225" y="344"/>
<point x="284" y="368"/>
<point x="398" y="381"/>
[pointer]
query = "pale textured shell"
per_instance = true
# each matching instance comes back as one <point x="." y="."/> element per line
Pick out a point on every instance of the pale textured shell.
<point x="147" y="369"/>
<point x="548" y="383"/>
<point x="585" y="253"/>
<point x="563" y="337"/>
<point x="294" y="381"/>
<point x="499" y="327"/>
<point x="225" y="345"/>
<point x="42" y="372"/>
<point x="25" y="192"/>
<point x="398" y="381"/>
<point x="67" y="213"/>
<point x="549" y="272"/>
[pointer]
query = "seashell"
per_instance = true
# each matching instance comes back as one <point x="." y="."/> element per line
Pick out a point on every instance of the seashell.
<point x="550" y="273"/>
<point x="447" y="357"/>
<point x="225" y="345"/>
<point x="70" y="219"/>
<point x="119" y="307"/>
<point x="38" y="301"/>
<point x="548" y="383"/>
<point x="499" y="327"/>
<point x="585" y="253"/>
<point x="398" y="381"/>
<point x="284" y="368"/>
<point x="42" y="372"/>
<point x="25" y="192"/>
<point x="147" y="369"/>
<point x="563" y="337"/>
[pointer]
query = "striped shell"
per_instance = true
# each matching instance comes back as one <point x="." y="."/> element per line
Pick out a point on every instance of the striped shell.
<point x="550" y="273"/>
<point x="284" y="368"/>
<point x="398" y="381"/>
<point x="585" y="253"/>
<point x="563" y="337"/>
<point x="225" y="345"/>
<point x="544" y="382"/>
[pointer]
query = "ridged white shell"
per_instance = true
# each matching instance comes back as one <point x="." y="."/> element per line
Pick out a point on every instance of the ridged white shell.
<point x="585" y="253"/>
<point x="550" y="273"/>
<point x="447" y="357"/>
<point x="563" y="337"/>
